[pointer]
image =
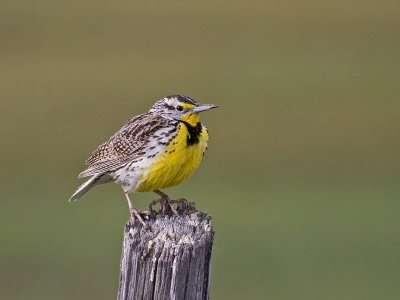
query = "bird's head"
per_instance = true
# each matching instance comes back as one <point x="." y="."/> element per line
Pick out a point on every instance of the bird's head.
<point x="180" y="107"/>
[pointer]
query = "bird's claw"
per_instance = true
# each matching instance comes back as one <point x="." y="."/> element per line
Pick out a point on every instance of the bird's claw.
<point x="135" y="214"/>
<point x="166" y="206"/>
<point x="183" y="206"/>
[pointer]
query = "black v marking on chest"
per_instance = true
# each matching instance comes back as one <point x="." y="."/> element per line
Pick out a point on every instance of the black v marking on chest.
<point x="194" y="133"/>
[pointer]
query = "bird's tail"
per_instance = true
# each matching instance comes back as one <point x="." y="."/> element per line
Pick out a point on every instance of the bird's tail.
<point x="89" y="184"/>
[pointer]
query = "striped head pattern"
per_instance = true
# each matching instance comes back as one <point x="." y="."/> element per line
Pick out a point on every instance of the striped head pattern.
<point x="179" y="107"/>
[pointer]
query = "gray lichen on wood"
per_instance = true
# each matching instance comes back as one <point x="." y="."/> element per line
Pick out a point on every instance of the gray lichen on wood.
<point x="169" y="260"/>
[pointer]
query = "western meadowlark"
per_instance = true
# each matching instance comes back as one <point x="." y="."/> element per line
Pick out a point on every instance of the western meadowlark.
<point x="154" y="150"/>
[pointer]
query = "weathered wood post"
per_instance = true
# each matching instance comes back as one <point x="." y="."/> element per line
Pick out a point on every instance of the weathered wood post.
<point x="169" y="260"/>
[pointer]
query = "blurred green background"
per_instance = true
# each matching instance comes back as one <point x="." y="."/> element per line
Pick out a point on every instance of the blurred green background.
<point x="302" y="172"/>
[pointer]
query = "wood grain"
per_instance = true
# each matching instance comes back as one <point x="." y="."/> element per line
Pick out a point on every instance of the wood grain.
<point x="169" y="260"/>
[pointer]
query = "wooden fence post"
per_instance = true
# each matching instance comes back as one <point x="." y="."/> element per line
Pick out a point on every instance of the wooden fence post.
<point x="169" y="260"/>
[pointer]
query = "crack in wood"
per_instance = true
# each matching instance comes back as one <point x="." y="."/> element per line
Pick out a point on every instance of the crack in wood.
<point x="171" y="260"/>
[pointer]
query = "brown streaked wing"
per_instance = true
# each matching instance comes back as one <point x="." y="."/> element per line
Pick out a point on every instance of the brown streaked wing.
<point x="124" y="146"/>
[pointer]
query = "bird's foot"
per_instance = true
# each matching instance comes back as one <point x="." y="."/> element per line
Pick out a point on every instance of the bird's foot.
<point x="139" y="216"/>
<point x="166" y="206"/>
<point x="181" y="205"/>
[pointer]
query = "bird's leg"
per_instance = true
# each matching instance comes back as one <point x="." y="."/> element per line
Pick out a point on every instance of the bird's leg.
<point x="182" y="204"/>
<point x="152" y="203"/>
<point x="134" y="212"/>
<point x="164" y="201"/>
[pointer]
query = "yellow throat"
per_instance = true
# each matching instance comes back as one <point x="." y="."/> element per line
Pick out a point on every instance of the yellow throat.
<point x="180" y="158"/>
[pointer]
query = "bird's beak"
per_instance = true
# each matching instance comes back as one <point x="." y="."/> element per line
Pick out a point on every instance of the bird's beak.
<point x="202" y="107"/>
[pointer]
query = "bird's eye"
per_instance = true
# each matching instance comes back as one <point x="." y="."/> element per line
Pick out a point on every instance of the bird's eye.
<point x="180" y="108"/>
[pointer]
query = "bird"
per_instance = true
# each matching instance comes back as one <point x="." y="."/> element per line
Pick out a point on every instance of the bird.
<point x="152" y="151"/>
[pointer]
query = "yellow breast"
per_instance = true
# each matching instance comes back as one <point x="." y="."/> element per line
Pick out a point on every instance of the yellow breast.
<point x="176" y="163"/>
